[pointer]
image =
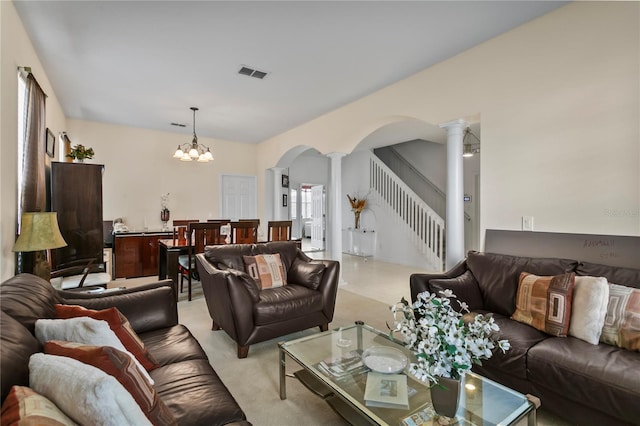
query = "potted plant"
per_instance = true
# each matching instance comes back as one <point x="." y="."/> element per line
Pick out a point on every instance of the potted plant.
<point x="79" y="153"/>
<point x="446" y="345"/>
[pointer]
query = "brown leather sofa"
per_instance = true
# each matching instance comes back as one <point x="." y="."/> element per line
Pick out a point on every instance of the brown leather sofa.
<point x="584" y="383"/>
<point x="250" y="315"/>
<point x="185" y="381"/>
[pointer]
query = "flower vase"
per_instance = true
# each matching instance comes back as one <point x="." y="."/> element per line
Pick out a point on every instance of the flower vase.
<point x="357" y="219"/>
<point x="165" y="214"/>
<point x="78" y="160"/>
<point x="445" y="396"/>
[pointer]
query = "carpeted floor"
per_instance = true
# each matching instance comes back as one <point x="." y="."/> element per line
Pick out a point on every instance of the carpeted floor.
<point x="254" y="381"/>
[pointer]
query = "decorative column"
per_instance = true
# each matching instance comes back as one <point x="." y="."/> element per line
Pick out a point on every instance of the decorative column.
<point x="334" y="224"/>
<point x="277" y="192"/>
<point x="454" y="224"/>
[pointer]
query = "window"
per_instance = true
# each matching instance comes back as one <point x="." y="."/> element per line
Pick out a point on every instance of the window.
<point x="22" y="123"/>
<point x="294" y="204"/>
<point x="305" y="201"/>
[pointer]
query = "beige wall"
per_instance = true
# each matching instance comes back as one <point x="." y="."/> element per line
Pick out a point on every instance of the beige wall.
<point x="139" y="169"/>
<point x="559" y="104"/>
<point x="558" y="99"/>
<point x="17" y="50"/>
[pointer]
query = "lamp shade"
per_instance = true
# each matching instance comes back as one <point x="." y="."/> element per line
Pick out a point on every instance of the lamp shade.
<point x="39" y="231"/>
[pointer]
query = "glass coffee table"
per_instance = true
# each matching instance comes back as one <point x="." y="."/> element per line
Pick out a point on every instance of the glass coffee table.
<point x="482" y="401"/>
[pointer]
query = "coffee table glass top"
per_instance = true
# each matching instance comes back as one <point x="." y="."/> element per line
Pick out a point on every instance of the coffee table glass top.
<point x="482" y="402"/>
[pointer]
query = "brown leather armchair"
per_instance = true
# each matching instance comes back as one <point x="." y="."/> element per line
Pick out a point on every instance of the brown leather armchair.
<point x="249" y="314"/>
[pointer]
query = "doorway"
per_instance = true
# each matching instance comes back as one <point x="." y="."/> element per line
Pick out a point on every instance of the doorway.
<point x="308" y="210"/>
<point x="238" y="197"/>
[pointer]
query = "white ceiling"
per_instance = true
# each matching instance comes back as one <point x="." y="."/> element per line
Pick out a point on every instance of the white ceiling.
<point x="144" y="63"/>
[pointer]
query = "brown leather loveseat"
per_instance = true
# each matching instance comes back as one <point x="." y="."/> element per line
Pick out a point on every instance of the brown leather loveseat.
<point x="249" y="314"/>
<point x="185" y="381"/>
<point x="588" y="384"/>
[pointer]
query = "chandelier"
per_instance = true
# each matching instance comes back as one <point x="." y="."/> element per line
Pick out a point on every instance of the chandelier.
<point x="470" y="148"/>
<point x="193" y="151"/>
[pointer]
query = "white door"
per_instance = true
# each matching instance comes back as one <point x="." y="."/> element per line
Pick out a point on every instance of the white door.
<point x="317" y="217"/>
<point x="238" y="197"/>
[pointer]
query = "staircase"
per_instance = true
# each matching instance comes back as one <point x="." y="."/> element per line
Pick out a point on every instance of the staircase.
<point x="420" y="222"/>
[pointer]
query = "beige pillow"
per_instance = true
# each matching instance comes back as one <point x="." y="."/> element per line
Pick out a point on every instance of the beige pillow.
<point x="24" y="406"/>
<point x="589" y="308"/>
<point x="266" y="270"/>
<point x="544" y="302"/>
<point x="83" y="392"/>
<point x="622" y="323"/>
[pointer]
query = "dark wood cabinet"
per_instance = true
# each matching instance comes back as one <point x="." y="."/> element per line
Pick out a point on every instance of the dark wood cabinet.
<point x="136" y="255"/>
<point x="76" y="196"/>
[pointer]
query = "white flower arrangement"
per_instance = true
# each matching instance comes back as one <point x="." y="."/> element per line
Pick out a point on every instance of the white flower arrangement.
<point x="164" y="201"/>
<point x="444" y="345"/>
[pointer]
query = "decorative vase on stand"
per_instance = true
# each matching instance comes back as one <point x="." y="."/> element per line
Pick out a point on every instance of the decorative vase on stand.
<point x="445" y="396"/>
<point x="78" y="160"/>
<point x="165" y="214"/>
<point x="357" y="219"/>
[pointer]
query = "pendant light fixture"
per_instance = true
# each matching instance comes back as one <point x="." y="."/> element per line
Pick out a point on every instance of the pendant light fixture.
<point x="193" y="151"/>
<point x="469" y="147"/>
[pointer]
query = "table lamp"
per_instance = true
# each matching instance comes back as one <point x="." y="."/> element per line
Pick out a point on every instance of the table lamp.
<point x="40" y="233"/>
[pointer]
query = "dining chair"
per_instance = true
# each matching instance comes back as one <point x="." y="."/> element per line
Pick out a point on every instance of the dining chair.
<point x="201" y="234"/>
<point x="184" y="222"/>
<point x="279" y="230"/>
<point x="244" y="232"/>
<point x="80" y="274"/>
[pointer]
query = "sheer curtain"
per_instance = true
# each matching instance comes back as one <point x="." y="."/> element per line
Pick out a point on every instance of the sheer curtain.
<point x="31" y="152"/>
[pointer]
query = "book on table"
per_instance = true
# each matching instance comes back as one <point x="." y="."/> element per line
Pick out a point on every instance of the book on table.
<point x="386" y="391"/>
<point x="343" y="365"/>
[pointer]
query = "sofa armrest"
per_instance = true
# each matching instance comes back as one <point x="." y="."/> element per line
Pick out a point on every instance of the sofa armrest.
<point x="328" y="284"/>
<point x="230" y="297"/>
<point x="148" y="307"/>
<point x="420" y="282"/>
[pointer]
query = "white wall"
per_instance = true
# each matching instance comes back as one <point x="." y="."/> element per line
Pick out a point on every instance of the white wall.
<point x="17" y="50"/>
<point x="559" y="101"/>
<point x="428" y="158"/>
<point x="139" y="168"/>
<point x="392" y="244"/>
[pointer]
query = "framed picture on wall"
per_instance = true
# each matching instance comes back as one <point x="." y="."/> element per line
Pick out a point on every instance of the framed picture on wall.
<point x="284" y="200"/>
<point x="285" y="181"/>
<point x="51" y="144"/>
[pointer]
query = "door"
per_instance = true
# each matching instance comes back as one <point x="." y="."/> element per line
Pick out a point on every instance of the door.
<point x="317" y="217"/>
<point x="238" y="197"/>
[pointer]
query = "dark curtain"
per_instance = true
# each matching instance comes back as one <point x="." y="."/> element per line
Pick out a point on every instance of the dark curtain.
<point x="32" y="185"/>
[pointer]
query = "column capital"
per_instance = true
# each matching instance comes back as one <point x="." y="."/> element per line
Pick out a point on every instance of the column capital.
<point x="333" y="155"/>
<point x="454" y="124"/>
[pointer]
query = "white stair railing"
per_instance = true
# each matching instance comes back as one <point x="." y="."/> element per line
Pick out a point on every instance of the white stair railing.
<point x="420" y="222"/>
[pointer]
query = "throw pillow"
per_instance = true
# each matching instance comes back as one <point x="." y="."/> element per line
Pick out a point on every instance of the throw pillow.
<point x="119" y="365"/>
<point x="120" y="326"/>
<point x="465" y="287"/>
<point x="83" y="330"/>
<point x="545" y="302"/>
<point x="86" y="394"/>
<point x="589" y="308"/>
<point x="308" y="274"/>
<point x="266" y="270"/>
<point x="622" y="322"/>
<point x="24" y="406"/>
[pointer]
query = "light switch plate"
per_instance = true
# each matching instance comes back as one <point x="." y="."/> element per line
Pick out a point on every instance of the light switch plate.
<point x="527" y="223"/>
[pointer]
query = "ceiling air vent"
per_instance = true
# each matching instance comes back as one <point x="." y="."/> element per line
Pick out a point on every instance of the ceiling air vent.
<point x="179" y="124"/>
<point x="250" y="72"/>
